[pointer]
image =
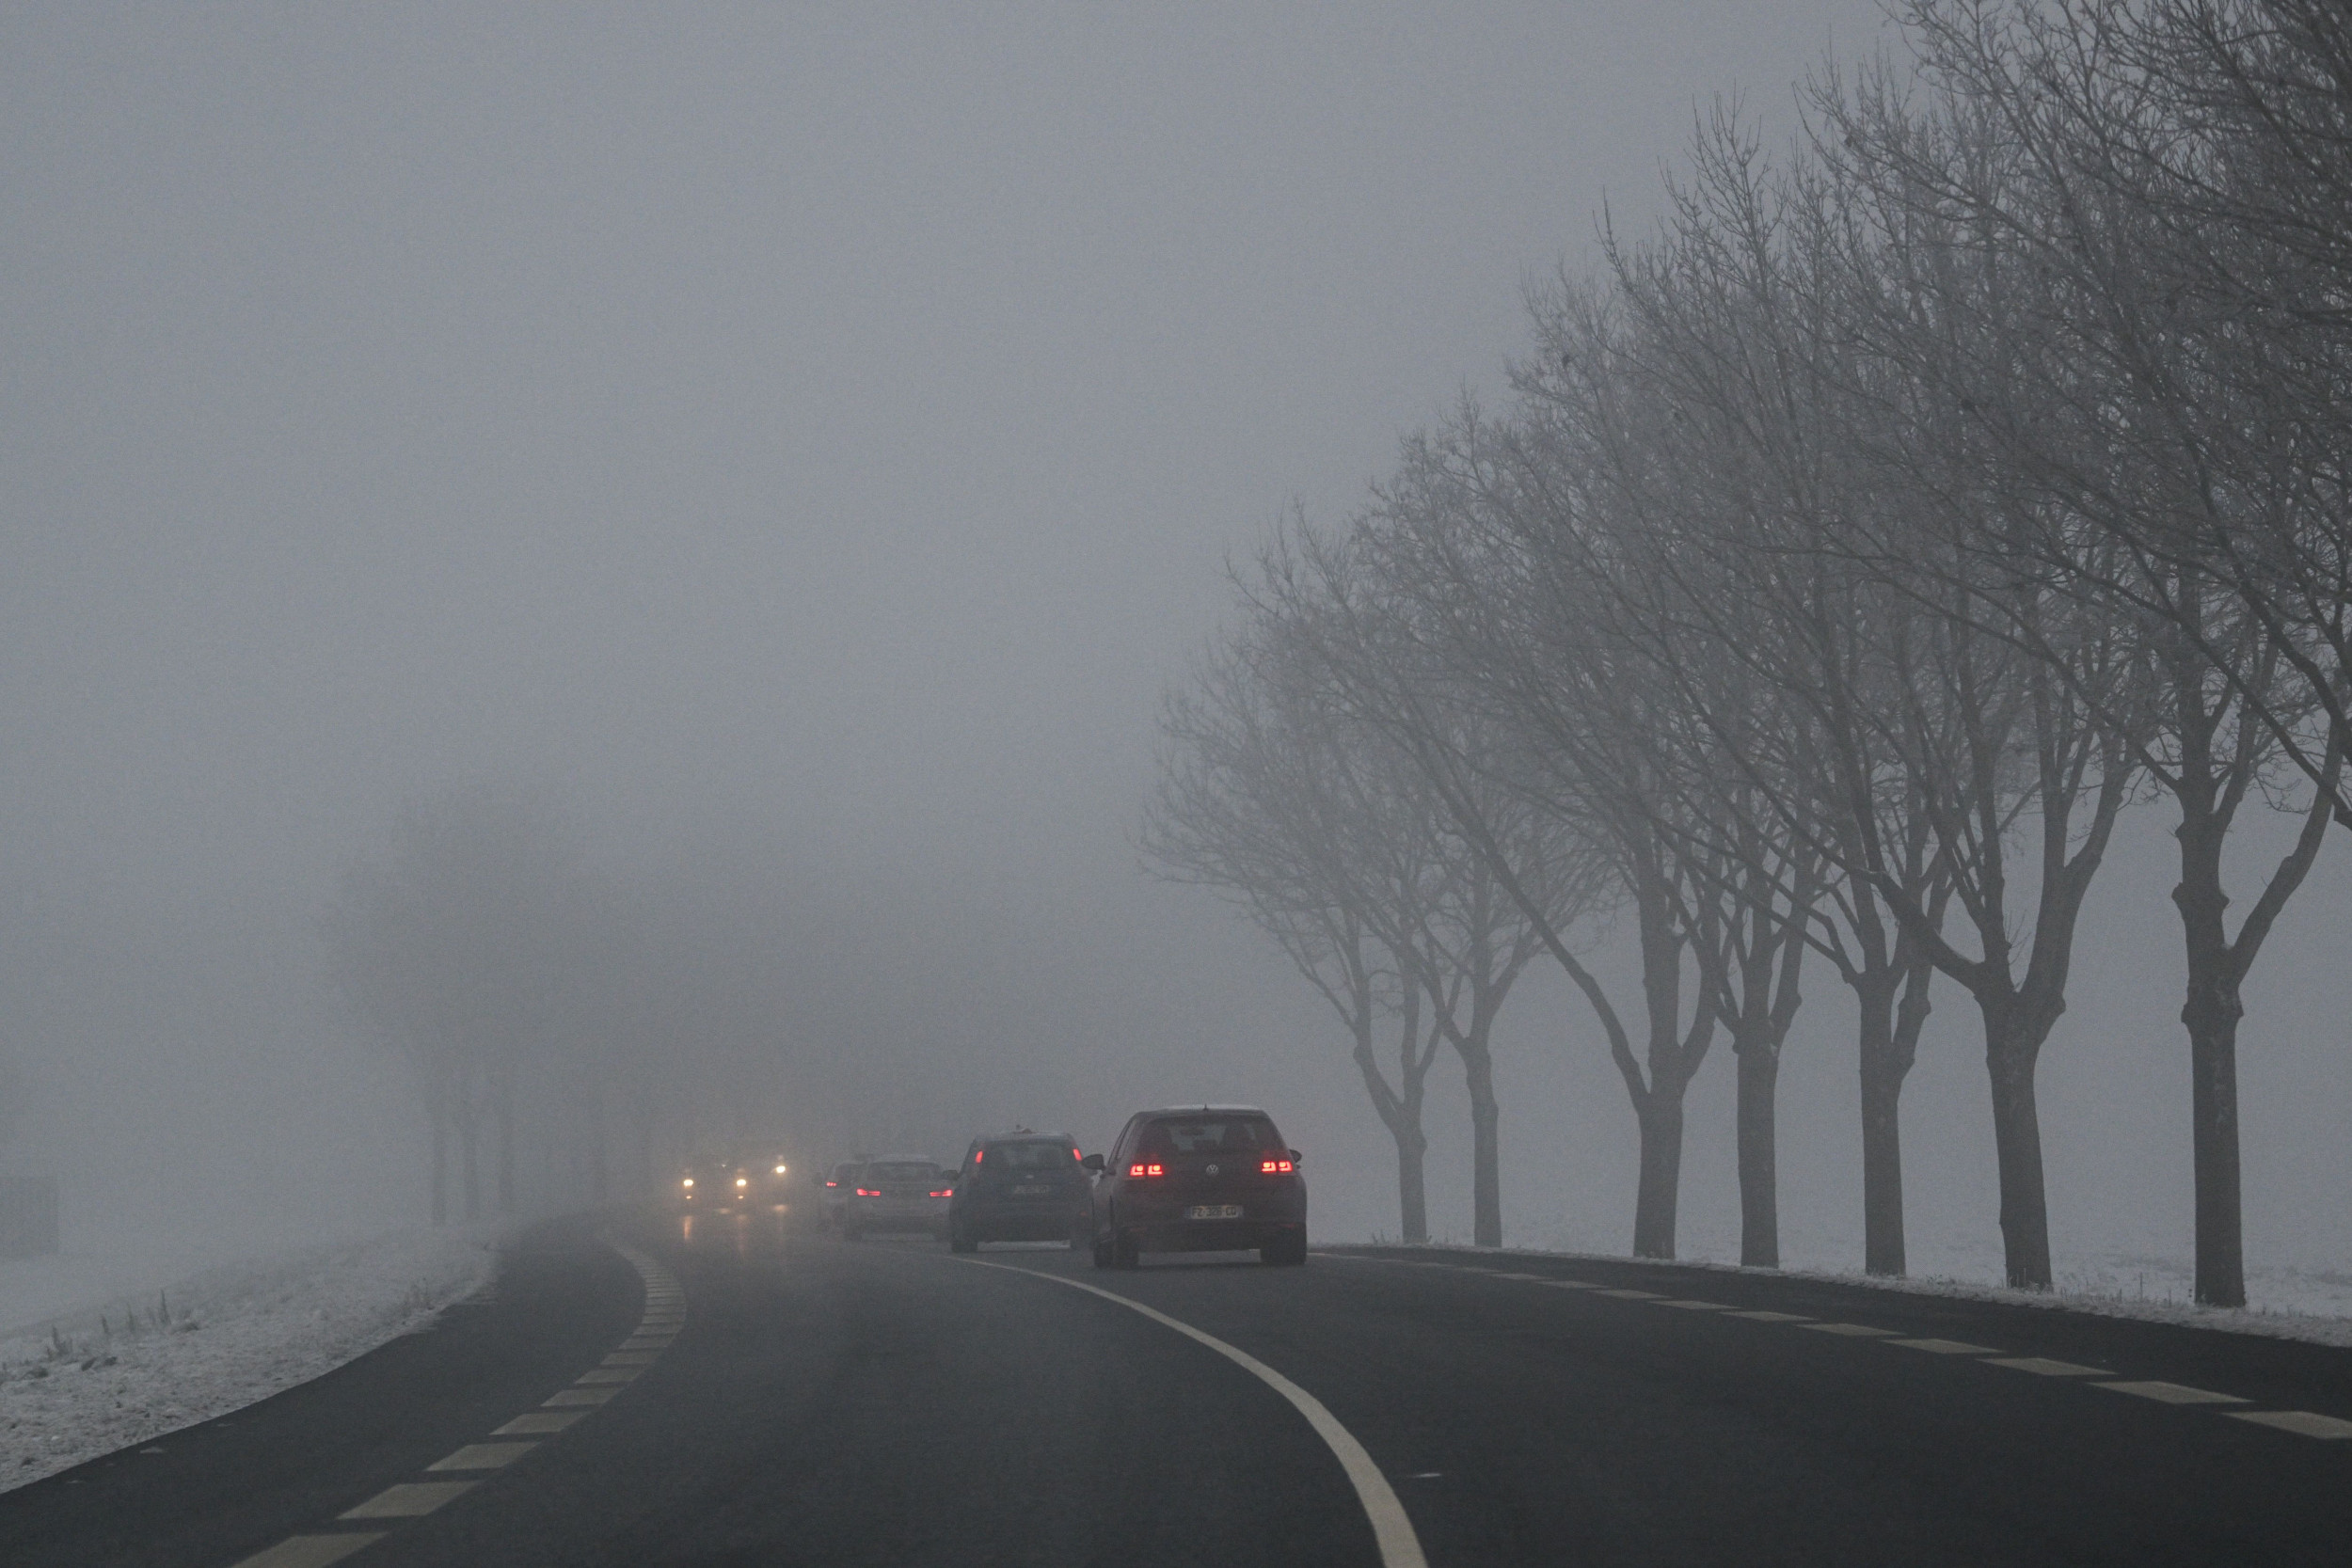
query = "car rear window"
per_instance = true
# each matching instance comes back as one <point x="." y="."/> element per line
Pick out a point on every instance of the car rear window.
<point x="1038" y="1154"/>
<point x="898" y="1172"/>
<point x="1208" y="1136"/>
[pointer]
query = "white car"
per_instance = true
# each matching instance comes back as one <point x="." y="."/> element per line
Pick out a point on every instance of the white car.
<point x="899" y="1192"/>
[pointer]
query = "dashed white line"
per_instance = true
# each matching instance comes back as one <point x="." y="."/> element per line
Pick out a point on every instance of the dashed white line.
<point x="1853" y="1331"/>
<point x="313" y="1551"/>
<point x="1944" y="1347"/>
<point x="2042" y="1366"/>
<point x="536" y="1422"/>
<point x="482" y="1456"/>
<point x="2171" y="1393"/>
<point x="2303" y="1423"/>
<point x="409" y="1499"/>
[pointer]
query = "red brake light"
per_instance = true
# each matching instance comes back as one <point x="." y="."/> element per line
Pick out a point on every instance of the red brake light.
<point x="1076" y="1155"/>
<point x="1273" y="1168"/>
<point x="944" y="1191"/>
<point x="1140" y="1169"/>
<point x="870" y="1192"/>
<point x="832" y="1183"/>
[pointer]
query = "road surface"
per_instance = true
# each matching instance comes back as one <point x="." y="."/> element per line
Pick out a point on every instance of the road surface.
<point x="739" y="1393"/>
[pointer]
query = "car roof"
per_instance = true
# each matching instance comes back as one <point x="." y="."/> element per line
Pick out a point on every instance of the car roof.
<point x="990" y="1140"/>
<point x="1206" y="1111"/>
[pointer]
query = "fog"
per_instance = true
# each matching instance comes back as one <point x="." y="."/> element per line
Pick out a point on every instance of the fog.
<point x="795" y="447"/>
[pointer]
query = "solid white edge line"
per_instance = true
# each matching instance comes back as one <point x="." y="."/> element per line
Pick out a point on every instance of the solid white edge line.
<point x="1399" y="1546"/>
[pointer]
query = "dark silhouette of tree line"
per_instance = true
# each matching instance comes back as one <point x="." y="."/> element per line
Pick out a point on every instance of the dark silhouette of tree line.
<point x="1851" y="551"/>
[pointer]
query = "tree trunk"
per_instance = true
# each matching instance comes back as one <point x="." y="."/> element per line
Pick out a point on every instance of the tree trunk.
<point x="505" y="1109"/>
<point x="1889" y="1041"/>
<point x="439" y="1119"/>
<point x="469" y="1151"/>
<point x="1412" y="1195"/>
<point x="1657" y="1197"/>
<point x="2212" y="1013"/>
<point x="2013" y="1051"/>
<point x="1478" y="1070"/>
<point x="1759" y="1176"/>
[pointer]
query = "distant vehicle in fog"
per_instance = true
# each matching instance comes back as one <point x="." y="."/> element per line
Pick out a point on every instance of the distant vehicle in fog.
<point x="1018" y="1187"/>
<point x="735" y="1184"/>
<point x="1199" y="1179"/>
<point x="898" y="1192"/>
<point x="840" y="1182"/>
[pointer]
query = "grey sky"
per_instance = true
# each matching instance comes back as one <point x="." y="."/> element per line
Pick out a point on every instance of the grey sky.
<point x="809" y="428"/>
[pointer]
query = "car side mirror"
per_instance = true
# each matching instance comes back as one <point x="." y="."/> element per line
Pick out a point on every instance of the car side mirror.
<point x="1092" y="1162"/>
<point x="1296" y="1158"/>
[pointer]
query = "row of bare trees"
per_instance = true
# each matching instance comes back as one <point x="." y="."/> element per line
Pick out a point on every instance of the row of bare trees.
<point x="534" y="1005"/>
<point x="1851" y="552"/>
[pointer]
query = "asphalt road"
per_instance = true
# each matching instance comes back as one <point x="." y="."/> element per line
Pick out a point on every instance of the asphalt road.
<point x="744" y="1394"/>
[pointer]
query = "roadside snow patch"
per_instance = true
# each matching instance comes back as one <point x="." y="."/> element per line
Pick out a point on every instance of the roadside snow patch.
<point x="104" y="1377"/>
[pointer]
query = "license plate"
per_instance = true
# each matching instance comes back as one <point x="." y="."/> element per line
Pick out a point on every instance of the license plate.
<point x="1033" y="1192"/>
<point x="1213" y="1211"/>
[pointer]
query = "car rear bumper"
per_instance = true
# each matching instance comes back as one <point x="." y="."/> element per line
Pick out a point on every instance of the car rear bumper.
<point x="883" y="1213"/>
<point x="1213" y="1235"/>
<point x="1024" y="1222"/>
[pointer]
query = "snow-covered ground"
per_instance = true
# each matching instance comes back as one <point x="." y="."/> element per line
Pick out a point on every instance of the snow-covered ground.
<point x="115" y="1369"/>
<point x="2315" y="1305"/>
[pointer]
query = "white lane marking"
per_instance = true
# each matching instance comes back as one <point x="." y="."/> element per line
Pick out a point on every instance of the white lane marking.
<point x="1571" y="1284"/>
<point x="608" y="1374"/>
<point x="1694" y="1305"/>
<point x="1857" y="1331"/>
<point x="1399" y="1546"/>
<point x="2042" y="1366"/>
<point x="537" y="1422"/>
<point x="1498" y="1274"/>
<point x="2303" y="1423"/>
<point x="482" y="1456"/>
<point x="313" y="1551"/>
<point x="627" y="1357"/>
<point x="1774" y="1317"/>
<point x="409" y="1499"/>
<point x="1632" y="1296"/>
<point x="578" y="1396"/>
<point x="2171" y="1393"/>
<point x="1944" y="1347"/>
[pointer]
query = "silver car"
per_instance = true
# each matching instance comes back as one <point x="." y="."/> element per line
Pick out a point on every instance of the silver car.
<point x="899" y="1192"/>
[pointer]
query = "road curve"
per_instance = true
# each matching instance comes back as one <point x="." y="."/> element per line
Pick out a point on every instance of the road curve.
<point x="819" y="1402"/>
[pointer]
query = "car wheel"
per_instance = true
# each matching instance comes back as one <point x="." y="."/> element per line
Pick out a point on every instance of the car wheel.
<point x="1286" y="1251"/>
<point x="1125" y="1253"/>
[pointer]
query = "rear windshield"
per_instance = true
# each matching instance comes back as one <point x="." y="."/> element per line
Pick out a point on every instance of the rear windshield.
<point x="1208" y="1136"/>
<point x="1041" y="1155"/>
<point x="899" y="1172"/>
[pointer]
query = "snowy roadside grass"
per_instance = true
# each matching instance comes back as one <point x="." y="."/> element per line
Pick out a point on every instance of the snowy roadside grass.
<point x="2100" y="1290"/>
<point x="107" y="1376"/>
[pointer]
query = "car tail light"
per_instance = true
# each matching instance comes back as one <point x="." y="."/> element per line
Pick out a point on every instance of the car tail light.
<point x="1275" y="1167"/>
<point x="870" y="1192"/>
<point x="832" y="1183"/>
<point x="979" y="1155"/>
<point x="944" y="1191"/>
<point x="1076" y="1155"/>
<point x="1141" y="1170"/>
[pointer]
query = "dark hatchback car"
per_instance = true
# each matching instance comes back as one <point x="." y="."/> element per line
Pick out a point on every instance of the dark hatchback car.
<point x="1200" y="1178"/>
<point x="1018" y="1187"/>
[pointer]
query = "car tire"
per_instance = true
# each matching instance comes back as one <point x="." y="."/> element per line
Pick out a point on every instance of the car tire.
<point x="1125" y="1252"/>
